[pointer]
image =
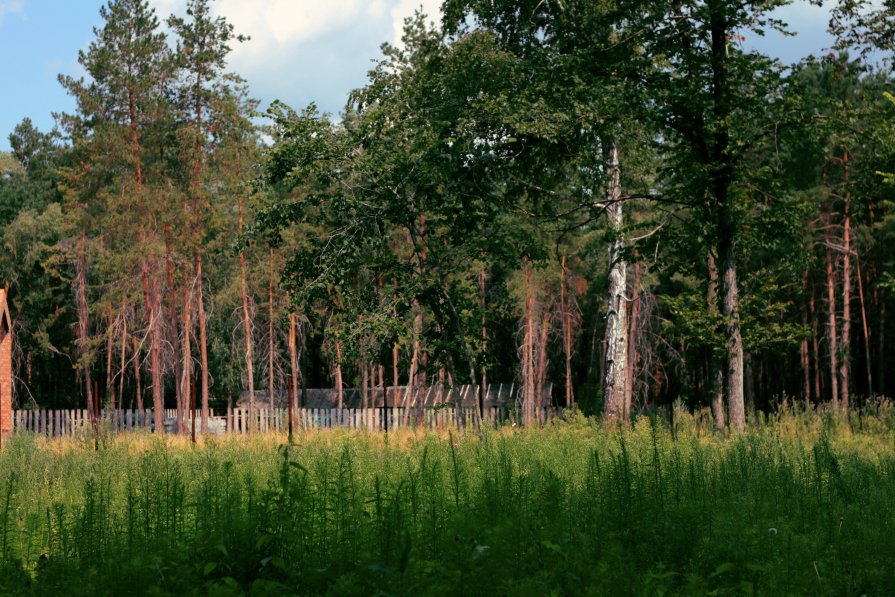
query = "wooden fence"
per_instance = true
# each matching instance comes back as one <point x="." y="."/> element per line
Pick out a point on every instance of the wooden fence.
<point x="63" y="423"/>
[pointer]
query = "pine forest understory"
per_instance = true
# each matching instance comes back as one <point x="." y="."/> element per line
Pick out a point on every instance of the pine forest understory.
<point x="619" y="207"/>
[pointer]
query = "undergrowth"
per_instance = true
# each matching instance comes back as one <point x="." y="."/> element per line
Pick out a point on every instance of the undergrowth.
<point x="801" y="504"/>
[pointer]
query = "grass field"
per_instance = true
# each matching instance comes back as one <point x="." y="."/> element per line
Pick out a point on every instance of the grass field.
<point x="800" y="505"/>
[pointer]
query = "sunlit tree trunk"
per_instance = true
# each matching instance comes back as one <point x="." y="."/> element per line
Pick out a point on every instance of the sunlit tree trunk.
<point x="614" y="381"/>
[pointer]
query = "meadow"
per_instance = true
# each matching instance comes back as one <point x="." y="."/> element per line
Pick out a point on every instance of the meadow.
<point x="801" y="504"/>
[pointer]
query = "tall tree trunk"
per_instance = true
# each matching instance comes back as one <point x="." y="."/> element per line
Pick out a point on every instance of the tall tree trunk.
<point x="831" y="321"/>
<point x="803" y="345"/>
<point x="249" y="345"/>
<point x="614" y="381"/>
<point x="293" y="358"/>
<point x="632" y="347"/>
<point x="270" y="336"/>
<point x="716" y="364"/>
<point x="881" y="348"/>
<point x="195" y="184"/>
<point x="110" y="339"/>
<point x="749" y="382"/>
<point x="815" y="347"/>
<point x="566" y="333"/>
<point x="541" y="377"/>
<point x="84" y="322"/>
<point x="365" y="385"/>
<point x="173" y="323"/>
<point x="483" y="387"/>
<point x="186" y="352"/>
<point x="867" y="360"/>
<point x="396" y="397"/>
<point x="123" y="351"/>
<point x="414" y="363"/>
<point x="527" y="353"/>
<point x="203" y="345"/>
<point x="845" y="340"/>
<point x="338" y="375"/>
<point x="160" y="427"/>
<point x="735" y="368"/>
<point x="722" y="174"/>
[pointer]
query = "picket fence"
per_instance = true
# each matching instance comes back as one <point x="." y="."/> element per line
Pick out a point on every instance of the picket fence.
<point x="67" y="423"/>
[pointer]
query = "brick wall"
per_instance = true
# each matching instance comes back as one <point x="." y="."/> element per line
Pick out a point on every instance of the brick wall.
<point x="6" y="420"/>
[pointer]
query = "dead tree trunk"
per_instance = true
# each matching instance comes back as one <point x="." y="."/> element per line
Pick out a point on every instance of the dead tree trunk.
<point x="616" y="316"/>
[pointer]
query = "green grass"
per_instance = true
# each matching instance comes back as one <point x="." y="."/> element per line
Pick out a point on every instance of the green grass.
<point x="800" y="505"/>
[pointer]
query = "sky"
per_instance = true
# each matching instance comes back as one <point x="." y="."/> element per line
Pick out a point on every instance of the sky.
<point x="300" y="51"/>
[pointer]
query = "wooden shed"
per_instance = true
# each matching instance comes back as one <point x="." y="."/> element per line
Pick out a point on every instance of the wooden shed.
<point x="6" y="421"/>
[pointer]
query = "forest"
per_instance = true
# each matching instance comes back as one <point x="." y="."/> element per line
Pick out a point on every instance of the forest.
<point x="620" y="201"/>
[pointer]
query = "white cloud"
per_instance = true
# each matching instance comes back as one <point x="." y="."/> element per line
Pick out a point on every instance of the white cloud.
<point x="309" y="50"/>
<point x="11" y="7"/>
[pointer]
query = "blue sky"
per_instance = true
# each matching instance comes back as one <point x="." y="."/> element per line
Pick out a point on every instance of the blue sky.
<point x="301" y="50"/>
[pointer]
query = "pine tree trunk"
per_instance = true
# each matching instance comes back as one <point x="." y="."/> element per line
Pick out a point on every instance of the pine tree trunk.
<point x="845" y="340"/>
<point x="174" y="324"/>
<point x="815" y="347"/>
<point x="541" y="376"/>
<point x="186" y="353"/>
<point x="527" y="356"/>
<point x="83" y="323"/>
<point x="110" y="390"/>
<point x="614" y="381"/>
<point x="414" y="364"/>
<point x="831" y="323"/>
<point x="123" y="351"/>
<point x="566" y="334"/>
<point x="139" y="389"/>
<point x="203" y="343"/>
<point x="866" y="329"/>
<point x="249" y="345"/>
<point x="293" y="358"/>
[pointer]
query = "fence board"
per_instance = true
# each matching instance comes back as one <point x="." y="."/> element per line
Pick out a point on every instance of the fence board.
<point x="62" y="423"/>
